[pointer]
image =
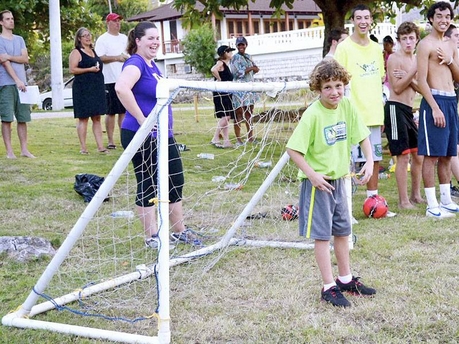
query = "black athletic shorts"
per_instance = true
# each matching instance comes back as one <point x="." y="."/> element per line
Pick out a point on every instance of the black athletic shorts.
<point x="146" y="170"/>
<point x="114" y="105"/>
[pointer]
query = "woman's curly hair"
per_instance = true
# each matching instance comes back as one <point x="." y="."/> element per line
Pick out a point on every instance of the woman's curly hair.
<point x="327" y="70"/>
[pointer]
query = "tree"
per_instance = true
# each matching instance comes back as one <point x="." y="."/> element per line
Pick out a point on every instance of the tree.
<point x="199" y="49"/>
<point x="32" y="21"/>
<point x="125" y="8"/>
<point x="334" y="11"/>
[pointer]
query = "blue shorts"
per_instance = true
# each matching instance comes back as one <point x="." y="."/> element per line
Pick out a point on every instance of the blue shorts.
<point x="323" y="215"/>
<point x="435" y="141"/>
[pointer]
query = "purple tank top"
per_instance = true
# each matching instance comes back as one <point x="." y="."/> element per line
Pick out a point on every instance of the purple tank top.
<point x="145" y="93"/>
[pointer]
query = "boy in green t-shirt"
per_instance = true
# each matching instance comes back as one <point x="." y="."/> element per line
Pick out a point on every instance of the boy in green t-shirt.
<point x="321" y="146"/>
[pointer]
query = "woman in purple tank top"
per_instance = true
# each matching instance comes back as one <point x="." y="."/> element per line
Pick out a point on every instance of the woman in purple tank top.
<point x="136" y="89"/>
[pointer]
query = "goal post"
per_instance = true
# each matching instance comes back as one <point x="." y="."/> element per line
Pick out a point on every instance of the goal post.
<point x="103" y="271"/>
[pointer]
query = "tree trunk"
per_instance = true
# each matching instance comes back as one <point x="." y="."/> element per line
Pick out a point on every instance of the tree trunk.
<point x="334" y="16"/>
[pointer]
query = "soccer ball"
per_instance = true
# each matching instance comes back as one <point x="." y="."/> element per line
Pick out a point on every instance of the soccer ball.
<point x="289" y="212"/>
<point x="375" y="206"/>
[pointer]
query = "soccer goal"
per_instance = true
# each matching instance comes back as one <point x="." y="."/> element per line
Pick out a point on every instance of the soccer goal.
<point x="103" y="283"/>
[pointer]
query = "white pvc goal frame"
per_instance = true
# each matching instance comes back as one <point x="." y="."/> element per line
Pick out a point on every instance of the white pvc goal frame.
<point x="22" y="318"/>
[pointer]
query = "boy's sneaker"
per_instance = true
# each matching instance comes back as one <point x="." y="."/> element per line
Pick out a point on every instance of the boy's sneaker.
<point x="335" y="297"/>
<point x="153" y="243"/>
<point x="355" y="287"/>
<point x="188" y="236"/>
<point x="438" y="213"/>
<point x="455" y="191"/>
<point x="451" y="207"/>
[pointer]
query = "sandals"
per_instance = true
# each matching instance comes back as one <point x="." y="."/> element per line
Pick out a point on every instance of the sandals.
<point x="220" y="146"/>
<point x="104" y="151"/>
<point x="84" y="152"/>
<point x="111" y="147"/>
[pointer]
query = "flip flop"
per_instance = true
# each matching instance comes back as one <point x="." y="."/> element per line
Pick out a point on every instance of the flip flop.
<point x="104" y="151"/>
<point x="220" y="146"/>
<point x="84" y="152"/>
<point x="111" y="147"/>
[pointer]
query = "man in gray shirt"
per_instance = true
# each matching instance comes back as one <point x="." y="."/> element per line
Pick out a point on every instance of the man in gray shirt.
<point x="13" y="57"/>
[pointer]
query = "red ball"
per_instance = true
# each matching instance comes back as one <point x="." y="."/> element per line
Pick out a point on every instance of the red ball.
<point x="375" y="206"/>
<point x="289" y="212"/>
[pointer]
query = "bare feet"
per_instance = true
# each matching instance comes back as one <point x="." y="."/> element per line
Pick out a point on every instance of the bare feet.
<point x="406" y="206"/>
<point x="11" y="156"/>
<point x="28" y="155"/>
<point x="418" y="200"/>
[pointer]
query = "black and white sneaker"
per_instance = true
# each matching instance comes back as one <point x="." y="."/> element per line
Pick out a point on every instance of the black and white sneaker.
<point x="355" y="287"/>
<point x="455" y="191"/>
<point x="335" y="297"/>
<point x="188" y="236"/>
<point x="154" y="243"/>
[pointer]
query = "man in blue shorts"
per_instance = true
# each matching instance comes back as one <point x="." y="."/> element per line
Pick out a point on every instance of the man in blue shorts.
<point x="438" y="66"/>
<point x="13" y="57"/>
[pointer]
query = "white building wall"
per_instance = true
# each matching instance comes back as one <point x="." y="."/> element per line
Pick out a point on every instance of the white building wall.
<point x="281" y="56"/>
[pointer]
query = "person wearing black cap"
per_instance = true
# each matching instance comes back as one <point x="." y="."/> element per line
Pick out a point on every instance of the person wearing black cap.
<point x="223" y="101"/>
<point x="243" y="69"/>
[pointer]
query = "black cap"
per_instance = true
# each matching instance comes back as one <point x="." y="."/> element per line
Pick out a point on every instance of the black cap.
<point x="224" y="49"/>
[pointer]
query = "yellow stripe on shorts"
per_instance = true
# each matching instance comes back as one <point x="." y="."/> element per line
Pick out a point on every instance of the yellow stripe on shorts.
<point x="311" y="206"/>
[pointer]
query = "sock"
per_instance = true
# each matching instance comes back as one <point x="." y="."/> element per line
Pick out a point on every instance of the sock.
<point x="445" y="194"/>
<point x="345" y="279"/>
<point x="329" y="285"/>
<point x="371" y="193"/>
<point x="431" y="197"/>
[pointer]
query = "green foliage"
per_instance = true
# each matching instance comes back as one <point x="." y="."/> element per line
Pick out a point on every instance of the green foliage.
<point x="199" y="49"/>
<point x="32" y="22"/>
<point x="125" y="8"/>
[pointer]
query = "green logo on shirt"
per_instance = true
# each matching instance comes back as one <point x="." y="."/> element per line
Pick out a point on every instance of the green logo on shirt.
<point x="335" y="133"/>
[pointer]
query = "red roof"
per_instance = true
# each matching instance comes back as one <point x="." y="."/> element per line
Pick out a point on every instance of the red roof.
<point x="167" y="12"/>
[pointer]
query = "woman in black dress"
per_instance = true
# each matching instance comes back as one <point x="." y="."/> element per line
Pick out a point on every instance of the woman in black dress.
<point x="88" y="89"/>
<point x="222" y="101"/>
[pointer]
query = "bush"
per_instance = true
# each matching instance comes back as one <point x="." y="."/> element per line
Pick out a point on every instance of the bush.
<point x="199" y="49"/>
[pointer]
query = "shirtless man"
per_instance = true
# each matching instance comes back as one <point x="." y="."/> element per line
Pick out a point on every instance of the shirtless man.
<point x="399" y="125"/>
<point x="453" y="34"/>
<point x="438" y="66"/>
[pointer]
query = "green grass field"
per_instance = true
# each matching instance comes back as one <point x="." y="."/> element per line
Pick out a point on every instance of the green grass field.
<point x="251" y="295"/>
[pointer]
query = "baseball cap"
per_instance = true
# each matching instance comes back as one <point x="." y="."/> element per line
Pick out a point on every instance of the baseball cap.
<point x="224" y="49"/>
<point x="113" y="16"/>
<point x="241" y="40"/>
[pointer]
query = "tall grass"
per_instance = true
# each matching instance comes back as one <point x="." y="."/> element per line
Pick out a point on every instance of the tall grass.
<point x="251" y="295"/>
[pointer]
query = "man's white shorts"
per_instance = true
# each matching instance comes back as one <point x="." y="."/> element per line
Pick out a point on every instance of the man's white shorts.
<point x="376" y="146"/>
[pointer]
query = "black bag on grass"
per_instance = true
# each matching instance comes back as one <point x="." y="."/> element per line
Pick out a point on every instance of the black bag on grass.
<point x="87" y="185"/>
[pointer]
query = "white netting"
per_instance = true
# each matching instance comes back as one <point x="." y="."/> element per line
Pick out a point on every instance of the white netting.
<point x="216" y="193"/>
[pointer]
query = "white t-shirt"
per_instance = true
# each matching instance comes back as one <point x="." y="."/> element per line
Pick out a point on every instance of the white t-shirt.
<point x="110" y="45"/>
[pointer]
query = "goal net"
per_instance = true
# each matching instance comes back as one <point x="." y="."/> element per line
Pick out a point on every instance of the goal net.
<point x="105" y="283"/>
